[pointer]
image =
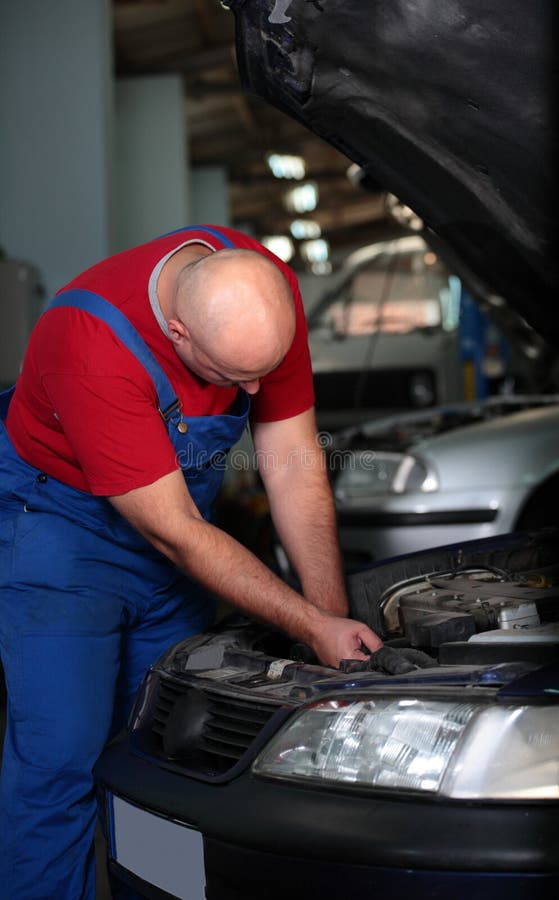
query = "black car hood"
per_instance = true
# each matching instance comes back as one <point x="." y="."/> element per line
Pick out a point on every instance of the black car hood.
<point x="449" y="106"/>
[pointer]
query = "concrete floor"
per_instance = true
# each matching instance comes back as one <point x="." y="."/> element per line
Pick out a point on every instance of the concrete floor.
<point x="103" y="890"/>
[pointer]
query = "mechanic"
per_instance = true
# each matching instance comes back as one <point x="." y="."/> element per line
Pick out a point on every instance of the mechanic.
<point x="137" y="381"/>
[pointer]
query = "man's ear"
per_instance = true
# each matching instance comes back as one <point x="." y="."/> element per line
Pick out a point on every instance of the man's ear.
<point x="178" y="332"/>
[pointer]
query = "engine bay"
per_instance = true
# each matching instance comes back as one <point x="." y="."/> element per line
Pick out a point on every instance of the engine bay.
<point x="461" y="608"/>
<point x="461" y="618"/>
<point x="478" y="615"/>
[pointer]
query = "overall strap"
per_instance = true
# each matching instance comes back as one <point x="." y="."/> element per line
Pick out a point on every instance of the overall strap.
<point x="100" y="308"/>
<point x="213" y="231"/>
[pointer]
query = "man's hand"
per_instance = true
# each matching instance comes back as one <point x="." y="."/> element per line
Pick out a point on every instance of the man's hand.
<point x="400" y="661"/>
<point x="335" y="639"/>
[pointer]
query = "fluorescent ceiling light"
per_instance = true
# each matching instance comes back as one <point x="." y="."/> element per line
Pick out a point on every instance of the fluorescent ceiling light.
<point x="303" y="229"/>
<point x="316" y="251"/>
<point x="285" y="166"/>
<point x="403" y="214"/>
<point x="321" y="268"/>
<point x="355" y="174"/>
<point x="302" y="198"/>
<point x="279" y="244"/>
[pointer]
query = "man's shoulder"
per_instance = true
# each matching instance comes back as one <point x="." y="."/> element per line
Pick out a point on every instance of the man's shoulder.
<point x="69" y="341"/>
<point x="118" y="276"/>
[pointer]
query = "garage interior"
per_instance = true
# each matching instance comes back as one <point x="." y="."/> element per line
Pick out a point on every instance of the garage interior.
<point x="126" y="119"/>
<point x="175" y="54"/>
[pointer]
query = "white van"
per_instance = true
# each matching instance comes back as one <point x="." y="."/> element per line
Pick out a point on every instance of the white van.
<point x="385" y="338"/>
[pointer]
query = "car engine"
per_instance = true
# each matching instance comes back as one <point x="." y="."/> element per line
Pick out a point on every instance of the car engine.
<point x="478" y="616"/>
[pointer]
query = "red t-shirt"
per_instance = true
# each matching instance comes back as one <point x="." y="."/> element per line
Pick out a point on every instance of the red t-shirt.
<point x="85" y="410"/>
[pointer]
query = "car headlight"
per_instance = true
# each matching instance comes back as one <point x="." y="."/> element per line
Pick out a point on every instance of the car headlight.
<point x="463" y="750"/>
<point x="367" y="472"/>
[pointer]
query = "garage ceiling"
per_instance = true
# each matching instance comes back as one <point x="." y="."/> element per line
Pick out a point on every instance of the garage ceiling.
<point x="229" y="128"/>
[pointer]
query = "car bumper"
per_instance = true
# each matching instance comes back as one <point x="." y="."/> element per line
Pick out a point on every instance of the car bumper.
<point x="395" y="524"/>
<point x="372" y="539"/>
<point x="273" y="839"/>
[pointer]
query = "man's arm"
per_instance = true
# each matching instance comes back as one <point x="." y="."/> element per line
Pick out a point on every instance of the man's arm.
<point x="166" y="515"/>
<point x="293" y="469"/>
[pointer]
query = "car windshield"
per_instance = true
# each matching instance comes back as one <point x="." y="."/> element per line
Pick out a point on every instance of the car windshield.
<point x="394" y="293"/>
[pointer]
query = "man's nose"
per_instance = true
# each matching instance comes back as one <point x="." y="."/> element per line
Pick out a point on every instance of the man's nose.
<point x="251" y="387"/>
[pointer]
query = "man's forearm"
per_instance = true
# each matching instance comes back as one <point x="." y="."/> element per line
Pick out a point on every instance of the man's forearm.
<point x="230" y="571"/>
<point x="304" y="516"/>
<point x="296" y="481"/>
<point x="166" y="516"/>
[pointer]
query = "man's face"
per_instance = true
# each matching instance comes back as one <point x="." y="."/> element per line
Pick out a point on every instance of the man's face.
<point x="210" y="368"/>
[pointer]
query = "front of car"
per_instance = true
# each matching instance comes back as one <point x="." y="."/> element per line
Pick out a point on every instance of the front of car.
<point x="385" y="337"/>
<point x="430" y="770"/>
<point x="433" y="769"/>
<point x="452" y="473"/>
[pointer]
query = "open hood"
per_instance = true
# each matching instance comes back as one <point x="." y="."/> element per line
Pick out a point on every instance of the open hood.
<point x="449" y="106"/>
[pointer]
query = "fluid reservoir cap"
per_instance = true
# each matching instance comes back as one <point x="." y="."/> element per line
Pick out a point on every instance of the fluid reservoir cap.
<point x="519" y="615"/>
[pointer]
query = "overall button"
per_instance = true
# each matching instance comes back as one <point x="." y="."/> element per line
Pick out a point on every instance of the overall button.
<point x="42" y="478"/>
<point x="182" y="427"/>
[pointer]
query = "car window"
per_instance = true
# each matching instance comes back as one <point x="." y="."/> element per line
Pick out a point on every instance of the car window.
<point x="393" y="294"/>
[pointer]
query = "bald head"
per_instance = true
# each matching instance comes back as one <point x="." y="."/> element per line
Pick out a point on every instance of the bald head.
<point x="236" y="308"/>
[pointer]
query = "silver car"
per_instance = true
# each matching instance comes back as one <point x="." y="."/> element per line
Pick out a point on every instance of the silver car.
<point x="445" y="475"/>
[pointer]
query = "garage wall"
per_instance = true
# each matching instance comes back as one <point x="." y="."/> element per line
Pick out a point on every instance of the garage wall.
<point x="151" y="184"/>
<point x="55" y="111"/>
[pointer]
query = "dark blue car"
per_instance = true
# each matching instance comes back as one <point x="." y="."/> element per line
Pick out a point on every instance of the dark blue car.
<point x="433" y="771"/>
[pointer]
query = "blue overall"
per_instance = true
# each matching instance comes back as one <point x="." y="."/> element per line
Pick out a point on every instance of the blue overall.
<point x="86" y="605"/>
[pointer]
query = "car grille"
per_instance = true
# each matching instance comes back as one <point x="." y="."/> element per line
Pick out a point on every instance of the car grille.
<point x="373" y="388"/>
<point x="215" y="731"/>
